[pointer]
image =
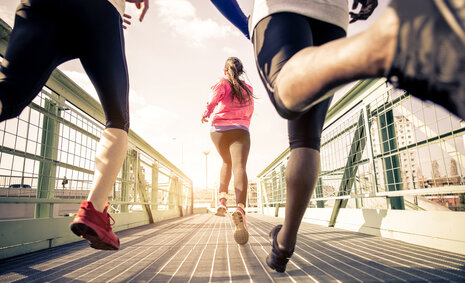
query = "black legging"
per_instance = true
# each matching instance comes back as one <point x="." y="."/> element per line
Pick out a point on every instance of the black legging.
<point x="276" y="39"/>
<point x="233" y="147"/>
<point x="47" y="33"/>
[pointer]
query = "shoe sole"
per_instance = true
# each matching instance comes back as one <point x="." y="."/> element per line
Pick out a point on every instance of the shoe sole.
<point x="241" y="235"/>
<point x="280" y="269"/>
<point x="221" y="212"/>
<point x="84" y="231"/>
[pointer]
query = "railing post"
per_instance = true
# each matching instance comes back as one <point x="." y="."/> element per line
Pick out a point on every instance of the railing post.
<point x="154" y="196"/>
<point x="319" y="193"/>
<point x="259" y="195"/>
<point x="371" y="156"/>
<point x="282" y="183"/>
<point x="172" y="194"/>
<point x="49" y="152"/>
<point x="391" y="163"/>
<point x="126" y="176"/>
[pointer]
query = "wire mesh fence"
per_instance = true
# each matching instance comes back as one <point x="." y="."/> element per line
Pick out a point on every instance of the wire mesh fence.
<point x="48" y="152"/>
<point x="383" y="145"/>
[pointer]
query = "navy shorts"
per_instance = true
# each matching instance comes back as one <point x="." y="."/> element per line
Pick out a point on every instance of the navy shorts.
<point x="47" y="33"/>
<point x="276" y="39"/>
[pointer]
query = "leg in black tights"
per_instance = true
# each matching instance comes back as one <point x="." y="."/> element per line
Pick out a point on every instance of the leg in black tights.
<point x="276" y="39"/>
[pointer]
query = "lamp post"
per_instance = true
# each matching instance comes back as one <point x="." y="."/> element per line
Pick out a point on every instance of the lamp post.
<point x="206" y="152"/>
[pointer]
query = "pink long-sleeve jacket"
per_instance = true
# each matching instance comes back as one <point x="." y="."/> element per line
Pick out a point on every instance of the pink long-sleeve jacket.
<point x="227" y="112"/>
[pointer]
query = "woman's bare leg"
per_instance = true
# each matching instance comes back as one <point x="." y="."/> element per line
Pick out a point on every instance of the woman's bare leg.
<point x="109" y="158"/>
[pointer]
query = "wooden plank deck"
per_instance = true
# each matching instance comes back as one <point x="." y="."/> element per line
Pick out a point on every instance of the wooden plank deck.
<point x="201" y="248"/>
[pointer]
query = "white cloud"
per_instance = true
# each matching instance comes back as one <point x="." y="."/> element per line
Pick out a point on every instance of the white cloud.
<point x="181" y="16"/>
<point x="230" y="51"/>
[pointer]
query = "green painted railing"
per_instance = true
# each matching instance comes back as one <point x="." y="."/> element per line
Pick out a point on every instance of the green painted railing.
<point x="381" y="149"/>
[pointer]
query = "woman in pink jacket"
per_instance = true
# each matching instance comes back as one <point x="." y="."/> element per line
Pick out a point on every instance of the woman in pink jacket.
<point x="232" y="106"/>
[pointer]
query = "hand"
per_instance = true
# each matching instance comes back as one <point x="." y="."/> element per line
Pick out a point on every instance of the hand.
<point x="126" y="21"/>
<point x="144" y="4"/>
<point x="204" y="120"/>
<point x="368" y="6"/>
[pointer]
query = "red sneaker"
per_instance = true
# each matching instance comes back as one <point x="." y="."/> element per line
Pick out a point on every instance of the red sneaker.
<point x="95" y="226"/>
<point x="241" y="234"/>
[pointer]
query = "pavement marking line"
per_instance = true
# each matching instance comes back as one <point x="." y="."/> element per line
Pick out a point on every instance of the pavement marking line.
<point x="242" y="257"/>
<point x="345" y="256"/>
<point x="173" y="256"/>
<point x="120" y="263"/>
<point x="118" y="255"/>
<point x="185" y="258"/>
<point x="426" y="266"/>
<point x="181" y="235"/>
<point x="227" y="250"/>
<point x="201" y="254"/>
<point x="214" y="253"/>
<point x="316" y="267"/>
<point x="290" y="261"/>
<point x="85" y="253"/>
<point x="371" y="254"/>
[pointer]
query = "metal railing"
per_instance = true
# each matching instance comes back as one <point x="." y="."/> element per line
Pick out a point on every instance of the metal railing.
<point x="55" y="139"/>
<point x="382" y="148"/>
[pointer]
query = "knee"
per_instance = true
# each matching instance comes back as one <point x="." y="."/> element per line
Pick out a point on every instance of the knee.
<point x="119" y="121"/>
<point x="279" y="103"/>
<point x="239" y="170"/>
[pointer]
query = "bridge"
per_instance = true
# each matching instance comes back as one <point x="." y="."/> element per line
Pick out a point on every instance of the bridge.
<point x="389" y="204"/>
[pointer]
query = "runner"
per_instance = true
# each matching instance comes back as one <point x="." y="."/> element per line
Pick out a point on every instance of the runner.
<point x="47" y="33"/>
<point x="233" y="100"/>
<point x="280" y="30"/>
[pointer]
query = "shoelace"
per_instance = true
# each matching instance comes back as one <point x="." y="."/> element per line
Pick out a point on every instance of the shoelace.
<point x="108" y="223"/>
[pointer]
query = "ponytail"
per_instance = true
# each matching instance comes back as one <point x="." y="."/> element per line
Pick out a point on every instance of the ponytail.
<point x="233" y="67"/>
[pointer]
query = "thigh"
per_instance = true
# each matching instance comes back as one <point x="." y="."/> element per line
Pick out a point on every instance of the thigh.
<point x="31" y="56"/>
<point x="222" y="141"/>
<point x="276" y="39"/>
<point x="305" y="131"/>
<point x="239" y="148"/>
<point x="103" y="57"/>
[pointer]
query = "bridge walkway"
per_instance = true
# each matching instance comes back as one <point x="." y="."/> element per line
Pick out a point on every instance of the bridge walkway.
<point x="201" y="248"/>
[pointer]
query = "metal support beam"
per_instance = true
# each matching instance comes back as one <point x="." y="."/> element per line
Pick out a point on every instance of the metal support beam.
<point x="126" y="181"/>
<point x="142" y="190"/>
<point x="49" y="151"/>
<point x="391" y="163"/>
<point x="355" y="154"/>
<point x="154" y="196"/>
<point x="319" y="192"/>
<point x="172" y="194"/>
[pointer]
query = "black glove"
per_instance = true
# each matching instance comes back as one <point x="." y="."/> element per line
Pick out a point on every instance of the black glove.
<point x="368" y="6"/>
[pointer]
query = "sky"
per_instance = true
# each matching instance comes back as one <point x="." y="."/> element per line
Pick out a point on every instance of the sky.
<point x="174" y="56"/>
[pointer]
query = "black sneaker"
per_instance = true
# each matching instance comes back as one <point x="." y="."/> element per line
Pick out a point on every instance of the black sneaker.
<point x="278" y="258"/>
<point x="429" y="60"/>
